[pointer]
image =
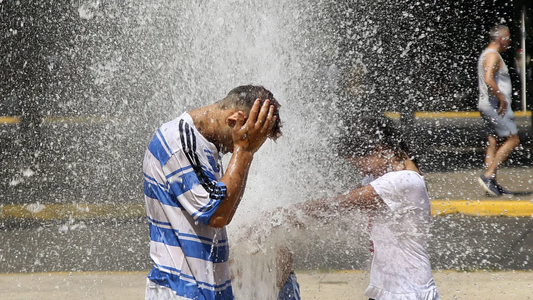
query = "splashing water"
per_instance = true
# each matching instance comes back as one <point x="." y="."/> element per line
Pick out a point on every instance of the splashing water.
<point x="190" y="55"/>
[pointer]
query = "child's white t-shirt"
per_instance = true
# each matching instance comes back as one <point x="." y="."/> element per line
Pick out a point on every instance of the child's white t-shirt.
<point x="400" y="266"/>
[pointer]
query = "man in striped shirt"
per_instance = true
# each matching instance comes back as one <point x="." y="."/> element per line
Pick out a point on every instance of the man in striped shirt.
<point x="189" y="200"/>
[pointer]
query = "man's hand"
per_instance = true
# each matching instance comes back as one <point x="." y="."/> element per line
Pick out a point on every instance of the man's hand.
<point x="252" y="134"/>
<point x="247" y="139"/>
<point x="502" y="107"/>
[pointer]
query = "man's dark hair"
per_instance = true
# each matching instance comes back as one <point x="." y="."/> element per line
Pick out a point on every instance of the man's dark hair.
<point x="244" y="97"/>
<point x="362" y="135"/>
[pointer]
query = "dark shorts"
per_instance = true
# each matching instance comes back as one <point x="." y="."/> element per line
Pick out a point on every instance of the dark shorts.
<point x="291" y="289"/>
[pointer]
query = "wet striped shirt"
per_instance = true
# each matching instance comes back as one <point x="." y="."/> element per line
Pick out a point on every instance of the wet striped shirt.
<point x="181" y="172"/>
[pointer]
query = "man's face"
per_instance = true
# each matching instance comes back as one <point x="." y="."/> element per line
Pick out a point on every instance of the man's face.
<point x="505" y="39"/>
<point x="225" y="139"/>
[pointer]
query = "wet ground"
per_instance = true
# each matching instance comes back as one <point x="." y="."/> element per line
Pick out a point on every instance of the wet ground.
<point x="319" y="285"/>
<point x="120" y="243"/>
<point x="458" y="241"/>
<point x="463" y="184"/>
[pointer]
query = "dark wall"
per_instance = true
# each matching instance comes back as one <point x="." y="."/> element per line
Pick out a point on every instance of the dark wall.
<point x="422" y="56"/>
<point x="74" y="58"/>
<point x="35" y="38"/>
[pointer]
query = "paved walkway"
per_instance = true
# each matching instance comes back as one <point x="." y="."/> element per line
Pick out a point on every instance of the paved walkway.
<point x="460" y="192"/>
<point x="454" y="189"/>
<point x="463" y="184"/>
<point x="314" y="285"/>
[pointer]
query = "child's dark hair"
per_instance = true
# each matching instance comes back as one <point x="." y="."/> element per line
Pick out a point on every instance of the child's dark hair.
<point x="362" y="135"/>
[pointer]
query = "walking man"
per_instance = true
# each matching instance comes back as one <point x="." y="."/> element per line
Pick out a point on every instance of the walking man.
<point x="495" y="107"/>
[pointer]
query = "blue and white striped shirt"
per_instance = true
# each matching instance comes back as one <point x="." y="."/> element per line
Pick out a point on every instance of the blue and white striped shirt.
<point x="181" y="172"/>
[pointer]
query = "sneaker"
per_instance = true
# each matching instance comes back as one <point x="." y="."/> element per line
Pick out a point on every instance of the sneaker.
<point x="489" y="185"/>
<point x="502" y="190"/>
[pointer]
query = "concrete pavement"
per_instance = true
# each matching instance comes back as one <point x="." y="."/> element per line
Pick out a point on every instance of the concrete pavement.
<point x="80" y="237"/>
<point x="470" y="231"/>
<point x="463" y="184"/>
<point x="336" y="285"/>
<point x="458" y="192"/>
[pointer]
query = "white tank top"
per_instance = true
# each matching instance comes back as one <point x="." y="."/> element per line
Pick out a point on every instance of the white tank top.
<point x="502" y="78"/>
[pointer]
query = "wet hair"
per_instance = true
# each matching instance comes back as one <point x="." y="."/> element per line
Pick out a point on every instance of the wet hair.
<point x="362" y="135"/>
<point x="495" y="31"/>
<point x="244" y="96"/>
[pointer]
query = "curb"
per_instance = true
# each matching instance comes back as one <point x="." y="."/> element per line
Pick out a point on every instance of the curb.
<point x="483" y="208"/>
<point x="14" y="120"/>
<point x="51" y="212"/>
<point x="452" y="114"/>
<point x="7" y="120"/>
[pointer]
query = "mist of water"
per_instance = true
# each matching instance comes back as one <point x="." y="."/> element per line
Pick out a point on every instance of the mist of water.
<point x="196" y="53"/>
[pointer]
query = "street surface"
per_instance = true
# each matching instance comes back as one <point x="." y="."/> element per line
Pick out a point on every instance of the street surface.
<point x="336" y="285"/>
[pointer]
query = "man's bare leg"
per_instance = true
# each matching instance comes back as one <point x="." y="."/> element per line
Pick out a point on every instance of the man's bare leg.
<point x="492" y="147"/>
<point x="501" y="154"/>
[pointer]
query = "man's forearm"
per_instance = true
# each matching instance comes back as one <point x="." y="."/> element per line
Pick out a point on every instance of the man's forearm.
<point x="238" y="199"/>
<point x="235" y="181"/>
<point x="495" y="90"/>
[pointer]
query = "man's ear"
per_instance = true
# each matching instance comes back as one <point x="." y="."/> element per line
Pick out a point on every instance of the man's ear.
<point x="232" y="119"/>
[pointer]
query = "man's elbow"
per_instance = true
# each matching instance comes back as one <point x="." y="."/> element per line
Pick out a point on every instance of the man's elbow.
<point x="489" y="80"/>
<point x="218" y="221"/>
